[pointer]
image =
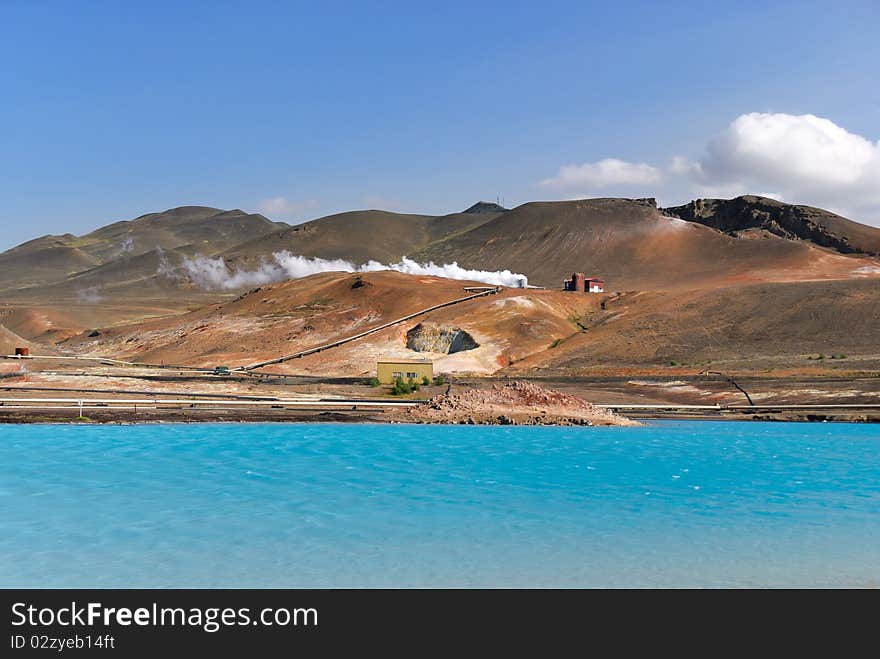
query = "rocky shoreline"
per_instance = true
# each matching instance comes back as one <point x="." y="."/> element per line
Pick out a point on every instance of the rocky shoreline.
<point x="510" y="404"/>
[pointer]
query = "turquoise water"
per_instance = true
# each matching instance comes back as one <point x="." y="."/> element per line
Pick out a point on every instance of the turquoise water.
<point x="320" y="505"/>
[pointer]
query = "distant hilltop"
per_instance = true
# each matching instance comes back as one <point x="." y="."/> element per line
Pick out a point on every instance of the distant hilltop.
<point x="486" y="207"/>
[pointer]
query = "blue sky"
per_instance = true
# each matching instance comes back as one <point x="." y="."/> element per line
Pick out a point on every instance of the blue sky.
<point x="110" y="110"/>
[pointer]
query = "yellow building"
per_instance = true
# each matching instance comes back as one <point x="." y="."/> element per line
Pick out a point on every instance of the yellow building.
<point x="391" y="368"/>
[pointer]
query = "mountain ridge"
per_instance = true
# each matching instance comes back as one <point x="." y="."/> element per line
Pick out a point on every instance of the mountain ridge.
<point x="630" y="242"/>
<point x="792" y="221"/>
<point x="55" y="258"/>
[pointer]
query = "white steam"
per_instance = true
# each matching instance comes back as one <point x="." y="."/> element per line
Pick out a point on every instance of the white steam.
<point x="214" y="274"/>
<point x="90" y="295"/>
<point x="164" y="269"/>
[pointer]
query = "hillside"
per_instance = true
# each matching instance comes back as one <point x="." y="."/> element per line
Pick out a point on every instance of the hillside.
<point x="759" y="327"/>
<point x="633" y="245"/>
<point x="786" y="220"/>
<point x="9" y="341"/>
<point x="517" y="332"/>
<point x="41" y="261"/>
<point x="361" y="236"/>
<point x="149" y="277"/>
<point x="52" y="259"/>
<point x="202" y="228"/>
<point x="279" y="319"/>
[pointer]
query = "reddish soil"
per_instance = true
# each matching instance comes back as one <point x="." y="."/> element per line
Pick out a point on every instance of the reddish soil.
<point x="513" y="403"/>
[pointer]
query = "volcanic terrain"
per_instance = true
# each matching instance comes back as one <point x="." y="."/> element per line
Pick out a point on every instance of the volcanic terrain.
<point x="747" y="284"/>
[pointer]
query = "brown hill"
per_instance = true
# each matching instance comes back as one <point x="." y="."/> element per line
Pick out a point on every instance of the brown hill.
<point x="43" y="260"/>
<point x="52" y="259"/>
<point x="786" y="220"/>
<point x="296" y="315"/>
<point x="633" y="245"/>
<point x="756" y="327"/>
<point x="361" y="236"/>
<point x="146" y="277"/>
<point x="9" y="341"/>
<point x="201" y="229"/>
<point x="486" y="207"/>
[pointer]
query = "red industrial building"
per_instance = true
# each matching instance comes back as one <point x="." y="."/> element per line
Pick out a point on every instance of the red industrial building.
<point x="580" y="283"/>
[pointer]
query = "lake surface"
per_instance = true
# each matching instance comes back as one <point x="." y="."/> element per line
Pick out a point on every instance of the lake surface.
<point x="676" y="503"/>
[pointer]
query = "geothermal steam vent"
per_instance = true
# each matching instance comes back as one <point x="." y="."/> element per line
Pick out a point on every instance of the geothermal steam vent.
<point x="428" y="337"/>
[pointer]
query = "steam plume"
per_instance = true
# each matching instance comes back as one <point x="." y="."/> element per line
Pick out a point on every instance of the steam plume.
<point x="214" y="274"/>
<point x="90" y="295"/>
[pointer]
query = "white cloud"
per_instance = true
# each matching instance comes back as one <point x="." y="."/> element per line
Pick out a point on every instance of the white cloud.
<point x="787" y="150"/>
<point x="684" y="165"/>
<point x="604" y="173"/>
<point x="804" y="159"/>
<point x="801" y="159"/>
<point x="283" y="208"/>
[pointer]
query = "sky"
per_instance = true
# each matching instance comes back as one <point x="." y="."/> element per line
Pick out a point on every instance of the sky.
<point x="110" y="110"/>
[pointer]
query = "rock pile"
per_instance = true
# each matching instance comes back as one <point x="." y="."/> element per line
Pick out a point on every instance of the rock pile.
<point x="513" y="403"/>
